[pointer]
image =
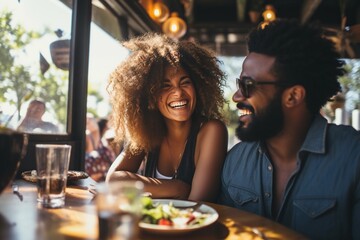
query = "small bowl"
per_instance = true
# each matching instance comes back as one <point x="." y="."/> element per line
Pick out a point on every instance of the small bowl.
<point x="13" y="146"/>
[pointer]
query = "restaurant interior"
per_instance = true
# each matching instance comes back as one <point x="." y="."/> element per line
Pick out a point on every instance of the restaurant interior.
<point x="78" y="51"/>
<point x="65" y="50"/>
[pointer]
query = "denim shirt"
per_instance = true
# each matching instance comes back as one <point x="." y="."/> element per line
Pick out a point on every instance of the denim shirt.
<point x="322" y="197"/>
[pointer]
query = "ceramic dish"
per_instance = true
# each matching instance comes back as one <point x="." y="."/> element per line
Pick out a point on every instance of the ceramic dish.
<point x="72" y="175"/>
<point x="213" y="216"/>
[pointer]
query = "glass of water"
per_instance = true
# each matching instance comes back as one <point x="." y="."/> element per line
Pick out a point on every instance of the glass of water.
<point x="119" y="209"/>
<point x="52" y="164"/>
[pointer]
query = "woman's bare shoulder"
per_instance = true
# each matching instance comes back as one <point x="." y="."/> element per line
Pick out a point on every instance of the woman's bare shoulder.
<point x="213" y="125"/>
<point x="212" y="129"/>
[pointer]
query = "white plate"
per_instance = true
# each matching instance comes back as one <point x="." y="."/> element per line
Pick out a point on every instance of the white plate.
<point x="175" y="229"/>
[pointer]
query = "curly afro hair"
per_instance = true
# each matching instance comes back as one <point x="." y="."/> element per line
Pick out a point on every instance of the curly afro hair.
<point x="134" y="83"/>
<point x="303" y="56"/>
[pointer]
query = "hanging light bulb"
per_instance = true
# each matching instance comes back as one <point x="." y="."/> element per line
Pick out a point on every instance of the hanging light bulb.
<point x="160" y="12"/>
<point x="269" y="13"/>
<point x="174" y="26"/>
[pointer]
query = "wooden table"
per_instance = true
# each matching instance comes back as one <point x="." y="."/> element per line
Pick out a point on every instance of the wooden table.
<point x="25" y="220"/>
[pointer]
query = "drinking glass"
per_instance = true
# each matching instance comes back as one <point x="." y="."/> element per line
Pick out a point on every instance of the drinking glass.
<point x="13" y="147"/>
<point x="119" y="209"/>
<point x="52" y="163"/>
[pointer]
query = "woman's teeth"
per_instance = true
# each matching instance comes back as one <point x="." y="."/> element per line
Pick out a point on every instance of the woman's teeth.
<point x="178" y="104"/>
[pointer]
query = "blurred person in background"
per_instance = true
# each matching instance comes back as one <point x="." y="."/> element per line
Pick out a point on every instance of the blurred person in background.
<point x="32" y="122"/>
<point x="103" y="126"/>
<point x="107" y="136"/>
<point x="98" y="156"/>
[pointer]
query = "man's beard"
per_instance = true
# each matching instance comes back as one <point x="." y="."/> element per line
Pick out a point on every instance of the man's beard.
<point x="266" y="124"/>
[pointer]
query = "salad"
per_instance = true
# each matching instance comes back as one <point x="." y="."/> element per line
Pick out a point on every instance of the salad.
<point x="169" y="215"/>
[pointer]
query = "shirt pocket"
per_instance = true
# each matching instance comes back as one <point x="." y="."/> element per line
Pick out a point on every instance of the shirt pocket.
<point x="315" y="216"/>
<point x="244" y="199"/>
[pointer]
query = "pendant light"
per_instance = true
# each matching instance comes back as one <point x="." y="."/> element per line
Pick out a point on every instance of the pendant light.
<point x="159" y="12"/>
<point x="269" y="13"/>
<point x="174" y="26"/>
<point x="60" y="51"/>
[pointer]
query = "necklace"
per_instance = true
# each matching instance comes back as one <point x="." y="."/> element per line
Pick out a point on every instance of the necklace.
<point x="179" y="158"/>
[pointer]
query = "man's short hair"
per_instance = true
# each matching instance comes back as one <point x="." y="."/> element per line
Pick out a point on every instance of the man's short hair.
<point x="303" y="56"/>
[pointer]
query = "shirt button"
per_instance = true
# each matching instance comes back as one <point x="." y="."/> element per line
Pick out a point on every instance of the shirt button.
<point x="269" y="167"/>
<point x="267" y="195"/>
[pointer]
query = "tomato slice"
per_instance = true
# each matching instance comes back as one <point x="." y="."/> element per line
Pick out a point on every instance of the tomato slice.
<point x="191" y="218"/>
<point x="165" y="222"/>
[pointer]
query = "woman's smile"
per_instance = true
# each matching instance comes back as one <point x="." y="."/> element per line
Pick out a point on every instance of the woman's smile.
<point x="178" y="104"/>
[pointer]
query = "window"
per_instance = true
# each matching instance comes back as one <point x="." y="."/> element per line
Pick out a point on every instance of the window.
<point x="106" y="53"/>
<point x="45" y="57"/>
<point x="38" y="72"/>
<point x="35" y="54"/>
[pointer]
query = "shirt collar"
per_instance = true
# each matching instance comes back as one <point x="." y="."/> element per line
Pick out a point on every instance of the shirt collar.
<point x="315" y="138"/>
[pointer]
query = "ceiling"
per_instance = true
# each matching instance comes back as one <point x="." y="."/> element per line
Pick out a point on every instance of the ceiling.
<point x="224" y="24"/>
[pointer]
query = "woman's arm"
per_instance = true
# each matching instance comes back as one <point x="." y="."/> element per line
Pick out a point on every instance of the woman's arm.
<point x="159" y="188"/>
<point x="211" y="149"/>
<point x="125" y="167"/>
<point x="126" y="161"/>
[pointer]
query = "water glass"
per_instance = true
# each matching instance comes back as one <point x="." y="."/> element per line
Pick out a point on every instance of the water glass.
<point x="119" y="209"/>
<point x="52" y="164"/>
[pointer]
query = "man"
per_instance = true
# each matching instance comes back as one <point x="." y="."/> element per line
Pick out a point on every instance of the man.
<point x="291" y="165"/>
<point x="33" y="122"/>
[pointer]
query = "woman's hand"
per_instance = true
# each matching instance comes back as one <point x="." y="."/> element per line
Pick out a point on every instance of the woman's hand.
<point x="159" y="188"/>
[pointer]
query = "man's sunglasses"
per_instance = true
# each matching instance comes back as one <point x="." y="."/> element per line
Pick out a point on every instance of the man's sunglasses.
<point x="247" y="85"/>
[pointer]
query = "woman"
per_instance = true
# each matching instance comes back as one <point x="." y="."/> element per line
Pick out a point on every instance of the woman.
<point x="98" y="156"/>
<point x="167" y="100"/>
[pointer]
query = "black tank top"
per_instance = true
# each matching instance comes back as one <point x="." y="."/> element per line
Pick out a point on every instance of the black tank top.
<point x="186" y="169"/>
